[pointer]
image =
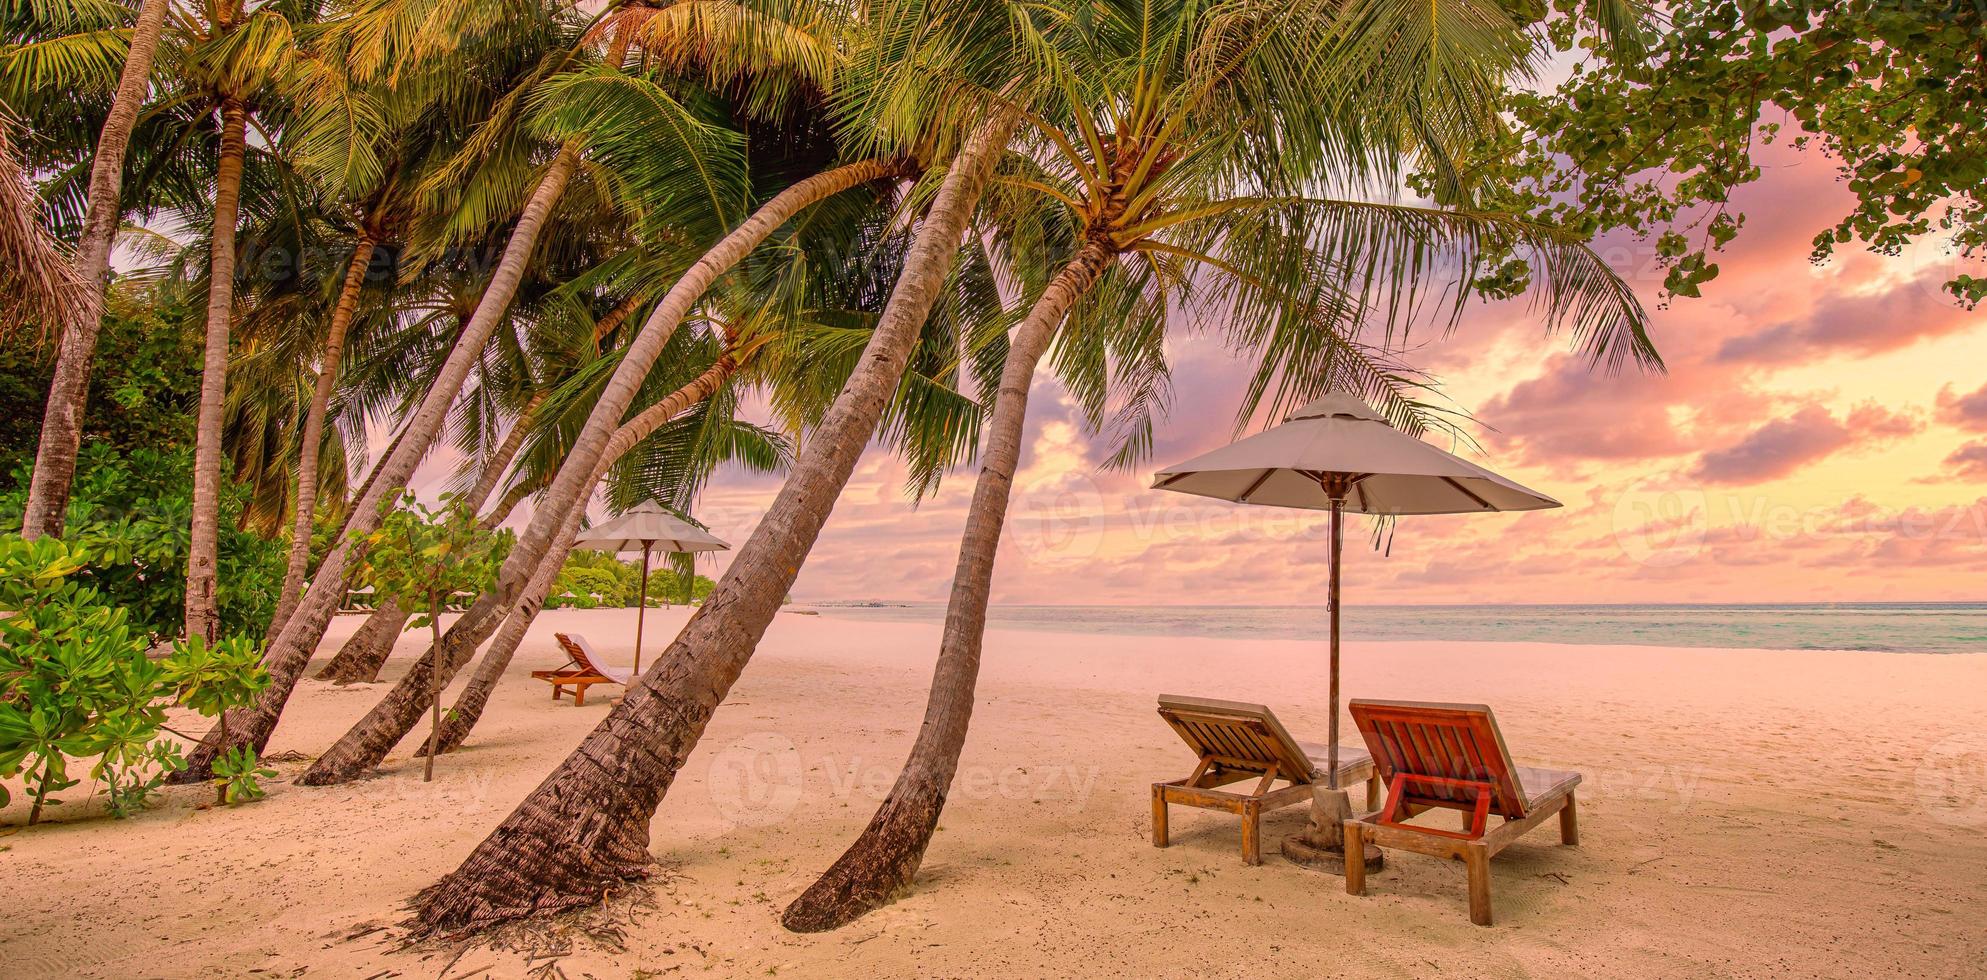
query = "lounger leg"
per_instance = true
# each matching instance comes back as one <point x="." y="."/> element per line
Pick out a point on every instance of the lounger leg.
<point x="579" y="695"/>
<point x="1252" y="831"/>
<point x="1569" y="822"/>
<point x="1374" y="790"/>
<point x="1477" y="857"/>
<point x="1159" y="838"/>
<point x="1355" y="864"/>
<point x="555" y="692"/>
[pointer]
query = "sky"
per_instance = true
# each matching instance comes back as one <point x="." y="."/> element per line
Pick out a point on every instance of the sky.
<point x="1820" y="435"/>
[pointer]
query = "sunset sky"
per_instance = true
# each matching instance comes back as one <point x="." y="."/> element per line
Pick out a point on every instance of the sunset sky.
<point x="1821" y="435"/>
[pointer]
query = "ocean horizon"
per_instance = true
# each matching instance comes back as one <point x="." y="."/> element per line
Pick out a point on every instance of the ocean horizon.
<point x="1888" y="627"/>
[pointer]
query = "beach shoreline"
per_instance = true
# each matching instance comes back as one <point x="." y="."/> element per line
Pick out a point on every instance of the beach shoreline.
<point x="1745" y="812"/>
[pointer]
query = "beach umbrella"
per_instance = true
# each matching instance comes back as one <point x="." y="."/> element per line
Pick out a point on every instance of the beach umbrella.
<point x="1338" y="454"/>
<point x="647" y="528"/>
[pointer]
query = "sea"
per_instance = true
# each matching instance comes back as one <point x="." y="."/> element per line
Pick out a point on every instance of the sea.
<point x="1898" y="627"/>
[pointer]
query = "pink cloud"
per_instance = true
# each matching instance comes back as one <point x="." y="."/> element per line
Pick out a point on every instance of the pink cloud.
<point x="1968" y="461"/>
<point x="1965" y="411"/>
<point x="1784" y="445"/>
<point x="1853" y="323"/>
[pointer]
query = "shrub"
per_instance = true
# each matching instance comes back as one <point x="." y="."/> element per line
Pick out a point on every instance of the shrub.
<point x="132" y="513"/>
<point x="78" y="686"/>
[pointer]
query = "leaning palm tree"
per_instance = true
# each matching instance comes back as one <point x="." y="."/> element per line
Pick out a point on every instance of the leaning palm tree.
<point x="376" y="171"/>
<point x="798" y="342"/>
<point x="697" y="151"/>
<point x="889" y="91"/>
<point x="1181" y="169"/>
<point x="68" y="390"/>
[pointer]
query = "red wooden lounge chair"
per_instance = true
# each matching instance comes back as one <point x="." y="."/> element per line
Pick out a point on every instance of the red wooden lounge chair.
<point x="1451" y="756"/>
<point x="1238" y="741"/>
<point x="583" y="669"/>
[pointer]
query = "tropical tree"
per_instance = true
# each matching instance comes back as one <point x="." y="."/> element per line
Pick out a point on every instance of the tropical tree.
<point x="62" y="433"/>
<point x="691" y="157"/>
<point x="1182" y="161"/>
<point x="236" y="58"/>
<point x="625" y="766"/>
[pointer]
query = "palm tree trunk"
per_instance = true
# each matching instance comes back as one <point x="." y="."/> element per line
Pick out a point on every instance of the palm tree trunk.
<point x="881" y="863"/>
<point x="469" y="704"/>
<point x="366" y="743"/>
<point x="313" y="434"/>
<point x="290" y="652"/>
<point x="586" y="826"/>
<point x="468" y="708"/>
<point x="367" y="649"/>
<point x="203" y="617"/>
<point x="69" y="389"/>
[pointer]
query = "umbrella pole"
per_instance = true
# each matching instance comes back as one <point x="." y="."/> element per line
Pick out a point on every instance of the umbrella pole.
<point x="640" y="613"/>
<point x="1337" y="544"/>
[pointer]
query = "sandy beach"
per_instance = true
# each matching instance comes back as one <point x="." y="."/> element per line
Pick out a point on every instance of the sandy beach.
<point x="1745" y="813"/>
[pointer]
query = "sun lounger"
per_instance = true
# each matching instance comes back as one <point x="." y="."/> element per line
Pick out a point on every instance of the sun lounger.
<point x="584" y="668"/>
<point x="1236" y="742"/>
<point x="1452" y="757"/>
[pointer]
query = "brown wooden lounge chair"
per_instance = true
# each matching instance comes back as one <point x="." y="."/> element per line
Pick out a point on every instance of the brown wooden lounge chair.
<point x="1238" y="741"/>
<point x="584" y="668"/>
<point x="1451" y="756"/>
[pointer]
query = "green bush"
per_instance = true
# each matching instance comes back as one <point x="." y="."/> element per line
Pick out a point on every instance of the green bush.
<point x="132" y="513"/>
<point x="78" y="685"/>
<point x="618" y="583"/>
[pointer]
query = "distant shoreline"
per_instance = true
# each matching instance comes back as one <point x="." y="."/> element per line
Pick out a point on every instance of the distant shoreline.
<point x="1873" y="627"/>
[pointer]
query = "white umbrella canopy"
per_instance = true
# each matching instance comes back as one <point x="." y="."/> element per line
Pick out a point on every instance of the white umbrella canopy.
<point x="1387" y="471"/>
<point x="647" y="528"/>
<point x="1338" y="454"/>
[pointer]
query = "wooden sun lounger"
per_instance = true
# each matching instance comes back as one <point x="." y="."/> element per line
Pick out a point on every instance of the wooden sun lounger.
<point x="1238" y="741"/>
<point x="1451" y="756"/>
<point x="583" y="669"/>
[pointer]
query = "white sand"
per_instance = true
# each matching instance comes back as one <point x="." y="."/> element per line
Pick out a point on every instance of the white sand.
<point x="1745" y="813"/>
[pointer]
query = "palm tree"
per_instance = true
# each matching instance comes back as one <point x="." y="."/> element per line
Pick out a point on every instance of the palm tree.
<point x="235" y="59"/>
<point x="68" y="390"/>
<point x="290" y="651"/>
<point x="1181" y="161"/>
<point x="628" y="762"/>
<point x="889" y="88"/>
<point x="814" y="348"/>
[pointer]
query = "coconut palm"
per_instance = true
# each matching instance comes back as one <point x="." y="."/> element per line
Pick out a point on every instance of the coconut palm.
<point x="1182" y="164"/>
<point x="889" y="89"/>
<point x="693" y="150"/>
<point x="68" y="391"/>
<point x="803" y="342"/>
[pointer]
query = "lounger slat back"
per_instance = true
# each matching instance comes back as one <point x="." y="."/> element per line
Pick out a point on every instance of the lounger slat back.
<point x="1452" y="756"/>
<point x="1458" y="743"/>
<point x="1236" y="741"/>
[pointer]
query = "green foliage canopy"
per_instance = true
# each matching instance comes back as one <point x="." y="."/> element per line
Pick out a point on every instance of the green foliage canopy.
<point x="1653" y="133"/>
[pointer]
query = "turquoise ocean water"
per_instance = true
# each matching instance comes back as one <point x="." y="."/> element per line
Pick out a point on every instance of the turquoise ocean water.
<point x="1903" y="627"/>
